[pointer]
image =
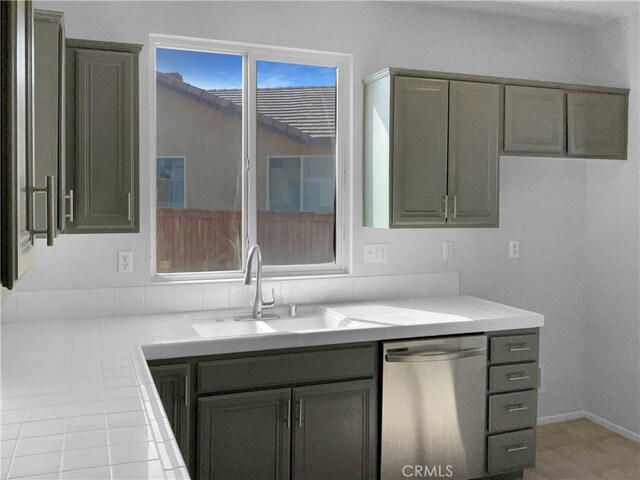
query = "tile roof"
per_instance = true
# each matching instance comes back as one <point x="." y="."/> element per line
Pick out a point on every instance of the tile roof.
<point x="307" y="114"/>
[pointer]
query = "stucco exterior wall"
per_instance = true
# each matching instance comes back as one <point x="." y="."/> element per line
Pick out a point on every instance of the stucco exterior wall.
<point x="211" y="142"/>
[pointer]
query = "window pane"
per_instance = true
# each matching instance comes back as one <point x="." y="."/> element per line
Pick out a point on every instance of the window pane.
<point x="284" y="184"/>
<point x="170" y="182"/>
<point x="199" y="164"/>
<point x="296" y="139"/>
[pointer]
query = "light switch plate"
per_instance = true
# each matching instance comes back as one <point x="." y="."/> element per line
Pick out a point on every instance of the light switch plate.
<point x="514" y="249"/>
<point x="448" y="251"/>
<point x="375" y="253"/>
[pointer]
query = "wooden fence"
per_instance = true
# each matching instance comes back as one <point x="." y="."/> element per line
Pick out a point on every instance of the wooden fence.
<point x="193" y="240"/>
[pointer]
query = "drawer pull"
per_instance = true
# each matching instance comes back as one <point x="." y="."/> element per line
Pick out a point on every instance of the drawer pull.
<point x="516" y="348"/>
<point x="517" y="408"/>
<point x="518" y="376"/>
<point x="516" y="448"/>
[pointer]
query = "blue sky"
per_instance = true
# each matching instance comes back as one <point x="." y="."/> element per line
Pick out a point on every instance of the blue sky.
<point x="215" y="70"/>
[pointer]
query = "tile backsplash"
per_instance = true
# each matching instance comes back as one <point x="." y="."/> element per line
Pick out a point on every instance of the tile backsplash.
<point x="125" y="301"/>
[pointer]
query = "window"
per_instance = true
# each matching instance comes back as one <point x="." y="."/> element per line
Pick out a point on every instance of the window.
<point x="301" y="184"/>
<point x="264" y="131"/>
<point x="170" y="182"/>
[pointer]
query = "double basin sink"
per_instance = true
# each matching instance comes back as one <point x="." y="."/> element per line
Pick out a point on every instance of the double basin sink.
<point x="209" y="325"/>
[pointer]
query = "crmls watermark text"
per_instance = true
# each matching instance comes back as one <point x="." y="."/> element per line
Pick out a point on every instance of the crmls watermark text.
<point x="426" y="471"/>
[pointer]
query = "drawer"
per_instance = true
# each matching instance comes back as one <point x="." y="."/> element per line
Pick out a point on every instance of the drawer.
<point x="516" y="348"/>
<point x="512" y="411"/>
<point x="266" y="371"/>
<point x="520" y="376"/>
<point x="511" y="451"/>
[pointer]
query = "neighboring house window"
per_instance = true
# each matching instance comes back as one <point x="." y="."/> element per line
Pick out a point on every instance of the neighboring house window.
<point x="265" y="130"/>
<point x="301" y="184"/>
<point x="170" y="182"/>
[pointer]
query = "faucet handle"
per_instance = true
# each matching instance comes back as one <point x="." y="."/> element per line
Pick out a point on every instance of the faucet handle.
<point x="271" y="303"/>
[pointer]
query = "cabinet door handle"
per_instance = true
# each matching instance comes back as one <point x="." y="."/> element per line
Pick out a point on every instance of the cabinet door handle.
<point x="300" y="410"/>
<point x="129" y="206"/>
<point x="516" y="448"/>
<point x="186" y="390"/>
<point x="70" y="215"/>
<point x="455" y="206"/>
<point x="288" y="413"/>
<point x="517" y="408"/>
<point x="516" y="348"/>
<point x="518" y="376"/>
<point x="446" y="206"/>
<point x="50" y="229"/>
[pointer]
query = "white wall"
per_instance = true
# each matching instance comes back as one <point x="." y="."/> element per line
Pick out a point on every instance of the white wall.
<point x="542" y="200"/>
<point x="612" y="234"/>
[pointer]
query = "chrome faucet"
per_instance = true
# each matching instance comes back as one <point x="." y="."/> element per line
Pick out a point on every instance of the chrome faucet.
<point x="258" y="304"/>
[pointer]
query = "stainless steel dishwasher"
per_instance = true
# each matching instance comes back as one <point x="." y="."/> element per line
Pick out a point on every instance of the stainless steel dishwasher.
<point x="433" y="408"/>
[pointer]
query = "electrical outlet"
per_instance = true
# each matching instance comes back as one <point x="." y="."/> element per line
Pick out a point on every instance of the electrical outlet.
<point x="125" y="261"/>
<point x="514" y="249"/>
<point x="375" y="252"/>
<point x="541" y="387"/>
<point x="449" y="252"/>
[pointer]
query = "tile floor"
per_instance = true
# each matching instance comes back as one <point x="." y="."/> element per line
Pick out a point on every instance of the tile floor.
<point x="582" y="450"/>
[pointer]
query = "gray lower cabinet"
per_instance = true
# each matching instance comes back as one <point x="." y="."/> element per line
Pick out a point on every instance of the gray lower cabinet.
<point x="597" y="125"/>
<point x="334" y="433"/>
<point x="307" y="413"/>
<point x="48" y="51"/>
<point x="534" y="119"/>
<point x="289" y="433"/>
<point x="102" y="136"/>
<point x="474" y="126"/>
<point x="173" y="383"/>
<point x="245" y="435"/>
<point x="512" y="401"/>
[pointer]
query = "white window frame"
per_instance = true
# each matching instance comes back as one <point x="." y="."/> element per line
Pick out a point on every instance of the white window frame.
<point x="184" y="162"/>
<point x="343" y="152"/>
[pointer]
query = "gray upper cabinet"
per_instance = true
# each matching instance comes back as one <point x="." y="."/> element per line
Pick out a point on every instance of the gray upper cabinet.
<point x="245" y="435"/>
<point x="534" y="120"/>
<point x="102" y="136"/>
<point x="16" y="145"/>
<point x="474" y="131"/>
<point x="432" y="140"/>
<point x="597" y="125"/>
<point x="430" y="152"/>
<point x="335" y="431"/>
<point x="49" y="113"/>
<point x="419" y="159"/>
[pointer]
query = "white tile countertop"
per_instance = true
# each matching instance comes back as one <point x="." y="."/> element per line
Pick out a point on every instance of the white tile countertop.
<point x="78" y="401"/>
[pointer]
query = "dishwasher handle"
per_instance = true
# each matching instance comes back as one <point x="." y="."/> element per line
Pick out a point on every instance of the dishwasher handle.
<point x="434" y="355"/>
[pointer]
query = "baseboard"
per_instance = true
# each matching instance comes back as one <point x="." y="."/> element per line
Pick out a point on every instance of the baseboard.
<point x="613" y="427"/>
<point x="564" y="417"/>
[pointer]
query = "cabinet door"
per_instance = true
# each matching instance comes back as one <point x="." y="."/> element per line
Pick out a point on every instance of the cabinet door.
<point x="597" y="125"/>
<point x="105" y="154"/>
<point x="173" y="383"/>
<point x="334" y="432"/>
<point x="244" y="435"/>
<point x="474" y="135"/>
<point x="533" y="120"/>
<point x="419" y="172"/>
<point x="16" y="146"/>
<point x="48" y="112"/>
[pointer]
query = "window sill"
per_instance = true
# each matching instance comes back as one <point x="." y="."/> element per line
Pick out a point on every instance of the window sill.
<point x="186" y="279"/>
